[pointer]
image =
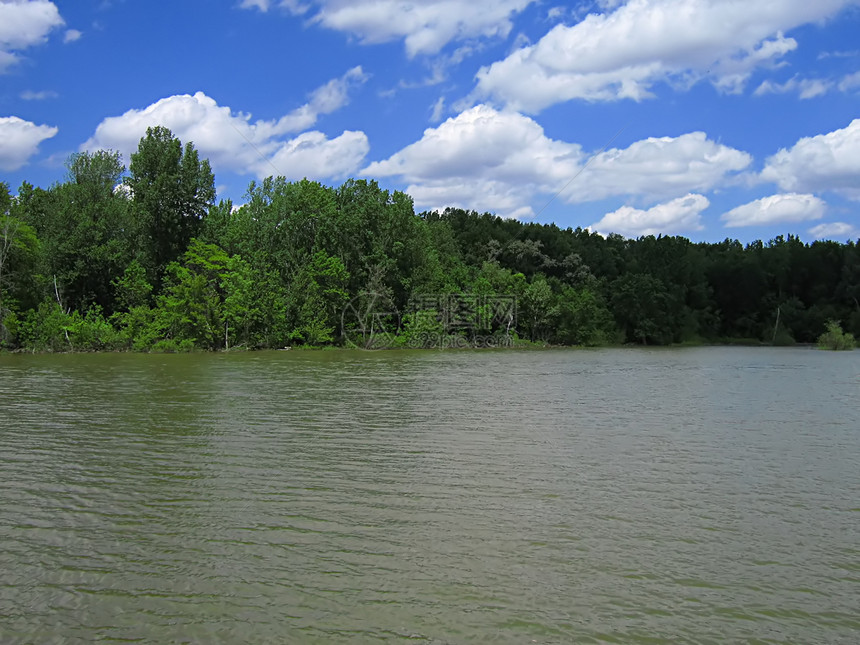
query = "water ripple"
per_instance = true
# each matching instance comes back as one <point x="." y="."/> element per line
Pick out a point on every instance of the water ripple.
<point x="699" y="496"/>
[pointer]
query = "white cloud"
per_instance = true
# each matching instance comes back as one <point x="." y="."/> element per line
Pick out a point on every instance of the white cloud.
<point x="6" y="60"/>
<point x="44" y="95"/>
<point x="806" y="88"/>
<point x="439" y="67"/>
<point x="810" y="88"/>
<point x="295" y="6"/>
<point x="556" y="13"/>
<point x="835" y="231"/>
<point x="776" y="209"/>
<point x="482" y="159"/>
<point x="425" y="27"/>
<point x="850" y="82"/>
<point x="658" y="167"/>
<point x="24" y="24"/>
<point x="839" y="54"/>
<point x="232" y="142"/>
<point x="730" y="75"/>
<point x="19" y="140"/>
<point x="823" y="162"/>
<point x="680" y="215"/>
<point x="623" y="53"/>
<point x="324" y="100"/>
<point x="72" y="35"/>
<point x="313" y="155"/>
<point x="500" y="160"/>
<point x="437" y="110"/>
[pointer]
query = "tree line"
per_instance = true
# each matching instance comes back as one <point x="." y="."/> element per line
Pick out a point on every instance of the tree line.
<point x="143" y="258"/>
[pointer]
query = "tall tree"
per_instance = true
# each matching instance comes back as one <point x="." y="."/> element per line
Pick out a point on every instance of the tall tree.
<point x="172" y="190"/>
<point x="18" y="254"/>
<point x="84" y="228"/>
<point x="320" y="293"/>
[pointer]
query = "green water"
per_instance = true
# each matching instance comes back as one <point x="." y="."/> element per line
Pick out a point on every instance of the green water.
<point x="620" y="496"/>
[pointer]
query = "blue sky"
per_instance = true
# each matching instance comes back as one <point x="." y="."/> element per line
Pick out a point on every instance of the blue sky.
<point x="704" y="118"/>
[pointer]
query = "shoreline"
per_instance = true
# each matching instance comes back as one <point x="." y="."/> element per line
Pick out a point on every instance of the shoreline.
<point x="518" y="346"/>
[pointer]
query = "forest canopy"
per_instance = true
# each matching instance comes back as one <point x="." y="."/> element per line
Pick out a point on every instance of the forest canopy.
<point x="144" y="259"/>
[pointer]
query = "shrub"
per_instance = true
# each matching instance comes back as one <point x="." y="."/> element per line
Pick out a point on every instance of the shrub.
<point x="45" y="329"/>
<point x="92" y="332"/>
<point x="835" y="339"/>
<point x="173" y="346"/>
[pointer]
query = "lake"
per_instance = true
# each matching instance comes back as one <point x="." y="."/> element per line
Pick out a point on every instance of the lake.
<point x="703" y="495"/>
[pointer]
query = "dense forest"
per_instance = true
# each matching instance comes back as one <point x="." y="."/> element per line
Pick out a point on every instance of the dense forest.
<point x="144" y="259"/>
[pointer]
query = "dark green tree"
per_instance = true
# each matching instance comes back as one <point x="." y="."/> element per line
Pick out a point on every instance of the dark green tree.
<point x="641" y="306"/>
<point x="85" y="230"/>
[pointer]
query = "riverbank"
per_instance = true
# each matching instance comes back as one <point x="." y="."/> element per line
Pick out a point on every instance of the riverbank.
<point x="452" y="345"/>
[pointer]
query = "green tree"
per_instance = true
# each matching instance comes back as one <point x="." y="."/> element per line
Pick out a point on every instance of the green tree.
<point x="320" y="290"/>
<point x="640" y="304"/>
<point x="207" y="299"/>
<point x="132" y="288"/>
<point x="138" y="323"/>
<point x="84" y="228"/>
<point x="538" y="309"/>
<point x="172" y="190"/>
<point x="242" y="313"/>
<point x="584" y="318"/>
<point x="19" y="254"/>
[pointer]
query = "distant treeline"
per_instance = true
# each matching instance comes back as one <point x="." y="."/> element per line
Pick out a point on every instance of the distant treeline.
<point x="145" y="259"/>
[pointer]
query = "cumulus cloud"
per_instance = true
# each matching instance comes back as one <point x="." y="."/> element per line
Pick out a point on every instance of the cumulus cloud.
<point x="823" y="162"/>
<point x="680" y="215"/>
<point x="72" y="35"/>
<point x="624" y="52"/>
<point x="658" y="167"/>
<point x="776" y="209"/>
<point x="482" y="159"/>
<point x="500" y="160"/>
<point x="19" y="141"/>
<point x="313" y="155"/>
<point x="24" y="24"/>
<point x="425" y="27"/>
<point x="835" y="231"/>
<point x="232" y="142"/>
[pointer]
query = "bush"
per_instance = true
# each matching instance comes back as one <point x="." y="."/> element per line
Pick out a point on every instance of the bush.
<point x="421" y="330"/>
<point x="8" y="328"/>
<point x="140" y="328"/>
<point x="50" y="329"/>
<point x="783" y="338"/>
<point x="173" y="346"/>
<point x="45" y="329"/>
<point x="92" y="332"/>
<point x="835" y="339"/>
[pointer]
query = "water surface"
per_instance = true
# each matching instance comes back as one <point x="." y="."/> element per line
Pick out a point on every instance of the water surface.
<point x="615" y="496"/>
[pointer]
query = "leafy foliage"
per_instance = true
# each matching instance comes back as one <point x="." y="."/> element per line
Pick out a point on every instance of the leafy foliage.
<point x="835" y="339"/>
<point x="172" y="192"/>
<point x="145" y="260"/>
